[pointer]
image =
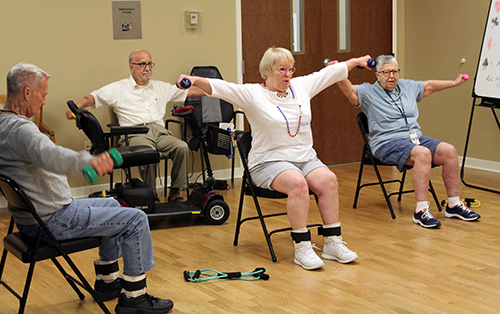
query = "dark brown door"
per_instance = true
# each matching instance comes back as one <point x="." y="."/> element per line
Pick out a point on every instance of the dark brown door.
<point x="267" y="23"/>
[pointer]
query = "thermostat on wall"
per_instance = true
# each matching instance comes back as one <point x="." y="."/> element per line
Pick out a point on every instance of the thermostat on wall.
<point x="192" y="19"/>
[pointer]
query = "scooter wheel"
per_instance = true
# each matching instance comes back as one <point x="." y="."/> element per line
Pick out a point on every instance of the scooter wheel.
<point x="217" y="212"/>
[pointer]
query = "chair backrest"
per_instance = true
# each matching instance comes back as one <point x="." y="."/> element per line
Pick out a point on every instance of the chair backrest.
<point x="210" y="109"/>
<point x="244" y="142"/>
<point x="16" y="197"/>
<point x="363" y="123"/>
<point x="363" y="128"/>
<point x="368" y="157"/>
<point x="87" y="122"/>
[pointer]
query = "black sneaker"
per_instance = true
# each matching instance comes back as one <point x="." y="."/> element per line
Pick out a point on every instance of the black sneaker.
<point x="461" y="211"/>
<point x="425" y="219"/>
<point x="108" y="291"/>
<point x="144" y="304"/>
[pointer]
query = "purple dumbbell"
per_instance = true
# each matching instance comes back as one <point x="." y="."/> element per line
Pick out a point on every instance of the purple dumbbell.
<point x="185" y="83"/>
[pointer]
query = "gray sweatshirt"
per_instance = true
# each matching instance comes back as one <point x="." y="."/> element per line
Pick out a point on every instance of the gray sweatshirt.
<point x="38" y="165"/>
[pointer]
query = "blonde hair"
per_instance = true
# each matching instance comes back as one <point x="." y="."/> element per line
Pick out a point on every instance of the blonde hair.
<point x="272" y="56"/>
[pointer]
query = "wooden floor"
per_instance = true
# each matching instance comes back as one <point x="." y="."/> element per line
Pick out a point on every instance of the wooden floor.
<point x="402" y="267"/>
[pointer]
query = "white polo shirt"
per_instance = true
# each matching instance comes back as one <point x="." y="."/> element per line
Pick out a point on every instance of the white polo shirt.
<point x="135" y="104"/>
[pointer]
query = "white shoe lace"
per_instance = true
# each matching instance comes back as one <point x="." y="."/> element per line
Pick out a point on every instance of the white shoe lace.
<point x="306" y="253"/>
<point x="463" y="207"/>
<point x="427" y="214"/>
<point x="342" y="248"/>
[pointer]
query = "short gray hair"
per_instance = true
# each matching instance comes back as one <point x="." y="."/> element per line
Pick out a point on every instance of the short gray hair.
<point x="384" y="59"/>
<point x="24" y="74"/>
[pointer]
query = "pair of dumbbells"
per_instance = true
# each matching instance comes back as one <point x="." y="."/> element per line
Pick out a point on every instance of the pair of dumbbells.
<point x="90" y="174"/>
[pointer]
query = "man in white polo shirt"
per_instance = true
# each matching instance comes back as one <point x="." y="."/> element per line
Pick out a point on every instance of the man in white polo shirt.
<point x="139" y="100"/>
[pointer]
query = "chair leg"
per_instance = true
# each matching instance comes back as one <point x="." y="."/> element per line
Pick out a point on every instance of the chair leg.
<point x="240" y="211"/>
<point x="165" y="183"/>
<point x="83" y="282"/>
<point x="2" y="263"/>
<point x="401" y="186"/>
<point x="384" y="191"/>
<point x="264" y="228"/>
<point x="66" y="276"/>
<point x="4" y="253"/>
<point x="358" y="186"/>
<point x="232" y="169"/>
<point x="24" y="298"/>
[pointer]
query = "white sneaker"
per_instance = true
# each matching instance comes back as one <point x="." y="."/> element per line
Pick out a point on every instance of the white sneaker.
<point x="306" y="257"/>
<point x="335" y="249"/>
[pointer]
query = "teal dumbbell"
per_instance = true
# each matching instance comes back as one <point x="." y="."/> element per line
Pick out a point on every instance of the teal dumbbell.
<point x="90" y="174"/>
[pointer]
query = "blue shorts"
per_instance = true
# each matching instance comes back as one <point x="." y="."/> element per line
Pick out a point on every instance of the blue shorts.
<point x="264" y="174"/>
<point x="396" y="152"/>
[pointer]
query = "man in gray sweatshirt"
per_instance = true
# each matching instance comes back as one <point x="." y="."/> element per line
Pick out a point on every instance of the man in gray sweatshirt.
<point x="40" y="167"/>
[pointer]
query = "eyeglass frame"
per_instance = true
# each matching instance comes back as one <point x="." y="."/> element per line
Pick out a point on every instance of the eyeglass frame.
<point x="388" y="73"/>
<point x="144" y="65"/>
<point x="283" y="70"/>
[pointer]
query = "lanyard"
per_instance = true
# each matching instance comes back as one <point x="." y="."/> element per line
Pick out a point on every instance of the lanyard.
<point x="402" y="108"/>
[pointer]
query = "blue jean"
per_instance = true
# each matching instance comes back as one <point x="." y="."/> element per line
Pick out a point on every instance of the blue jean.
<point x="124" y="231"/>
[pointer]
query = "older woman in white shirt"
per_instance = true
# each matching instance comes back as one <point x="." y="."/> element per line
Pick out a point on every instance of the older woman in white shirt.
<point x="282" y="155"/>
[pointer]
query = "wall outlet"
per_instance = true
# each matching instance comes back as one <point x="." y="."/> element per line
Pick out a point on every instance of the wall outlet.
<point x="87" y="145"/>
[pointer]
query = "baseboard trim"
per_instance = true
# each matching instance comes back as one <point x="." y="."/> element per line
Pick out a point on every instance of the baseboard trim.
<point x="225" y="174"/>
<point x="84" y="191"/>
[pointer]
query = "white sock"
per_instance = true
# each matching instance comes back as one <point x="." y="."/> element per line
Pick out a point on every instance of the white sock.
<point x="421" y="206"/>
<point x="453" y="201"/>
<point x="333" y="225"/>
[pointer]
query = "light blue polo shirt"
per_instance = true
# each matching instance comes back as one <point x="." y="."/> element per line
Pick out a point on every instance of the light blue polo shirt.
<point x="385" y="120"/>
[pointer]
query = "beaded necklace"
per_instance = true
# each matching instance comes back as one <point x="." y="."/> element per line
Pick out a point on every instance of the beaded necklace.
<point x="283" y="114"/>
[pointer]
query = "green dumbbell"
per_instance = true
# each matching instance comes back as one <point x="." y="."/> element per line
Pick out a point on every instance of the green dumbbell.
<point x="90" y="174"/>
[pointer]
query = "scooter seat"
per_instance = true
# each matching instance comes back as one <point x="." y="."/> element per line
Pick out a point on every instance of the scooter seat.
<point x="138" y="155"/>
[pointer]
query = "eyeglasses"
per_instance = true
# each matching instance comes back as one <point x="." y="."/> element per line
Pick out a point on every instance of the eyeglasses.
<point x="144" y="64"/>
<point x="284" y="70"/>
<point x="389" y="72"/>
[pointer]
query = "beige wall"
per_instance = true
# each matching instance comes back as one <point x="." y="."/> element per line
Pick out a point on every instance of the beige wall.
<point x="73" y="41"/>
<point x="432" y="38"/>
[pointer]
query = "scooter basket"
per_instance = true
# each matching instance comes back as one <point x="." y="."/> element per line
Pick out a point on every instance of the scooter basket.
<point x="219" y="141"/>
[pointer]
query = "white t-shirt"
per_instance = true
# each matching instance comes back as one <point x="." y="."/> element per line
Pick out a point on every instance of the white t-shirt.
<point x="274" y="120"/>
<point x="135" y="104"/>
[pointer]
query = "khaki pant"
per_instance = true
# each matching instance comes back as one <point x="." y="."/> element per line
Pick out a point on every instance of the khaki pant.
<point x="169" y="146"/>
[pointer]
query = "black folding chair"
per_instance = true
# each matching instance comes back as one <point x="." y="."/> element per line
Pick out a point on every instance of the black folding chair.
<point x="367" y="158"/>
<point x="44" y="246"/>
<point x="244" y="142"/>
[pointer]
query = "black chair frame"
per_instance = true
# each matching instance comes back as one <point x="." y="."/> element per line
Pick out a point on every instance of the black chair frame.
<point x="248" y="187"/>
<point x="367" y="158"/>
<point x="44" y="246"/>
